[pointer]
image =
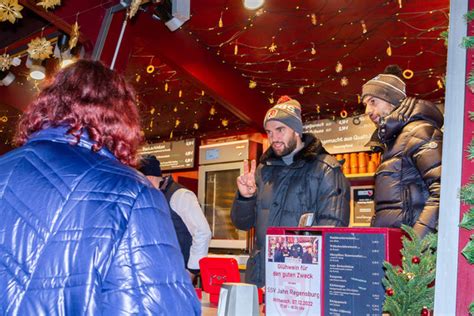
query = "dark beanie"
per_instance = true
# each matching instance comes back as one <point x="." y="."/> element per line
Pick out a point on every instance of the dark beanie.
<point x="150" y="166"/>
<point x="288" y="112"/>
<point x="387" y="86"/>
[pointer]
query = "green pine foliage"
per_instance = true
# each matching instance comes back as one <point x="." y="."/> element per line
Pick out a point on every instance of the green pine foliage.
<point x="468" y="220"/>
<point x="469" y="16"/>
<point x="470" y="83"/>
<point x="467" y="193"/>
<point x="412" y="283"/>
<point x="468" y="251"/>
<point x="470" y="150"/>
<point x="444" y="35"/>
<point x="468" y="42"/>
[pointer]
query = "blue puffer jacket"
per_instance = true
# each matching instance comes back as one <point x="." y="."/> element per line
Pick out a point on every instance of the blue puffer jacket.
<point x="82" y="234"/>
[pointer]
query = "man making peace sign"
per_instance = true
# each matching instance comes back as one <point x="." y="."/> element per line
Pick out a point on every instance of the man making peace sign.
<point x="295" y="176"/>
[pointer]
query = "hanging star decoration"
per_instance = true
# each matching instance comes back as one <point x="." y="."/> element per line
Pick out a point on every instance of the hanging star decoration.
<point x="49" y="4"/>
<point x="74" y="36"/>
<point x="134" y="8"/>
<point x="272" y="48"/>
<point x="252" y="84"/>
<point x="344" y="81"/>
<point x="5" y="62"/>
<point x="212" y="111"/>
<point x="40" y="48"/>
<point x="338" y="67"/>
<point x="225" y="122"/>
<point x="10" y="11"/>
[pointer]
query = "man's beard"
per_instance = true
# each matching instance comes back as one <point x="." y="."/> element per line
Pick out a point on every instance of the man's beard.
<point x="286" y="149"/>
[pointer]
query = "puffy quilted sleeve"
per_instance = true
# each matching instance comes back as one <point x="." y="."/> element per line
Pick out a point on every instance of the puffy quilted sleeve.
<point x="334" y="195"/>
<point x="426" y="152"/>
<point x="147" y="273"/>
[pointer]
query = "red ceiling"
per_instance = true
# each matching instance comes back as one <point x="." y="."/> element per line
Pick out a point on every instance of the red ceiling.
<point x="214" y="57"/>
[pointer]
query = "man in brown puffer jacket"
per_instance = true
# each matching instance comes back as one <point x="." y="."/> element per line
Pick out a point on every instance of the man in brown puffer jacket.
<point x="407" y="182"/>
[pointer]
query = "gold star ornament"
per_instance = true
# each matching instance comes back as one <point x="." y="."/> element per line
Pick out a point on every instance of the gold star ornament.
<point x="272" y="47"/>
<point x="49" y="4"/>
<point x="5" y="62"/>
<point x="10" y="11"/>
<point x="40" y="48"/>
<point x="74" y="36"/>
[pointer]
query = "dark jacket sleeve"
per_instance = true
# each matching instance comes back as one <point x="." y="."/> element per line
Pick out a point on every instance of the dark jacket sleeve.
<point x="333" y="196"/>
<point x="243" y="213"/>
<point x="426" y="155"/>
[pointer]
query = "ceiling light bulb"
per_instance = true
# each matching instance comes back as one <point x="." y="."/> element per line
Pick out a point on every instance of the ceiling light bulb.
<point x="253" y="4"/>
<point x="37" y="72"/>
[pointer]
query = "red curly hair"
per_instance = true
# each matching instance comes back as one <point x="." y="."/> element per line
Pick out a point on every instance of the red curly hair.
<point x="88" y="96"/>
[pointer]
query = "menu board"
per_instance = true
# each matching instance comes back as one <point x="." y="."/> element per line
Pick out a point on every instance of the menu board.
<point x="172" y="155"/>
<point x="342" y="136"/>
<point x="293" y="275"/>
<point x="353" y="274"/>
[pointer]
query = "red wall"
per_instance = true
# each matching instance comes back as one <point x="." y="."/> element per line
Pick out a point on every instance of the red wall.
<point x="465" y="293"/>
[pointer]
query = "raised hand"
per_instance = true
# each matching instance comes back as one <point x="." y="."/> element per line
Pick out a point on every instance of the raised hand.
<point x="246" y="182"/>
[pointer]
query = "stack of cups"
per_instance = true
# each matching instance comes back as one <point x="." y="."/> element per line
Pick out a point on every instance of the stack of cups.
<point x="346" y="169"/>
<point x="363" y="158"/>
<point x="354" y="163"/>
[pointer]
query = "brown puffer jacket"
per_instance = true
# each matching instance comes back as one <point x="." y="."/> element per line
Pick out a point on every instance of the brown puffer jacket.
<point x="407" y="182"/>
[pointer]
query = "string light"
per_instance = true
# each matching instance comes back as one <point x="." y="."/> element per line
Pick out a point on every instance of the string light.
<point x="263" y="65"/>
<point x="389" y="50"/>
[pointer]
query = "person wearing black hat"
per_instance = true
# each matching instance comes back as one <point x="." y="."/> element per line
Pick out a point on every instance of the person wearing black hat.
<point x="191" y="226"/>
<point x="295" y="176"/>
<point x="407" y="182"/>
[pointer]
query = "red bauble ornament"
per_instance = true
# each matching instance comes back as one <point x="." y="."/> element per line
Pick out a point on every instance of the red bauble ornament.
<point x="389" y="292"/>
<point x="425" y="311"/>
<point x="400" y="271"/>
<point x="415" y="260"/>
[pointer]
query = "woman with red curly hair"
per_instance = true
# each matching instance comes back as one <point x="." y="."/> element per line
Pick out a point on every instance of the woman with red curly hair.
<point x="82" y="232"/>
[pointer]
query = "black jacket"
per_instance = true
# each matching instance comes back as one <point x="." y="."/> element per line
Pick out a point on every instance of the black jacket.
<point x="407" y="182"/>
<point x="312" y="183"/>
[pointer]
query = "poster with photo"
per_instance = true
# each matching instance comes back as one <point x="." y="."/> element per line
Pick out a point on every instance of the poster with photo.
<point x="293" y="275"/>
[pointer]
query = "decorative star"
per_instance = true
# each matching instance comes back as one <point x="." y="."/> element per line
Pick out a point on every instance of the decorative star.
<point x="272" y="47"/>
<point x="40" y="48"/>
<point x="344" y="81"/>
<point x="49" y="4"/>
<point x="74" y="36"/>
<point x="134" y="8"/>
<point x="10" y="11"/>
<point x="5" y="62"/>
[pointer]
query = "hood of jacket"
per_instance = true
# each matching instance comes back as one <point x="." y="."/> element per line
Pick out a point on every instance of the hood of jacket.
<point x="423" y="111"/>
<point x="310" y="151"/>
